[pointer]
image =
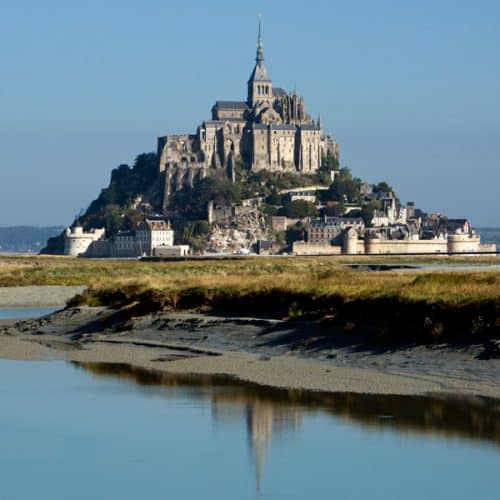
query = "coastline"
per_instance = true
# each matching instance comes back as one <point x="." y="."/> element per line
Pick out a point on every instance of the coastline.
<point x="278" y="353"/>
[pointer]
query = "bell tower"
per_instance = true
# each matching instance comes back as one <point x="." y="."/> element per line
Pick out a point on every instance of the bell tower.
<point x="260" y="86"/>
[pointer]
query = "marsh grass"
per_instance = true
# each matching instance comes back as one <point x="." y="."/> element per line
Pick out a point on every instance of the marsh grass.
<point x="424" y="305"/>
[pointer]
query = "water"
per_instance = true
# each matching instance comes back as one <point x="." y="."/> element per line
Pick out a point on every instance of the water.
<point x="490" y="235"/>
<point x="109" y="431"/>
<point x="24" y="312"/>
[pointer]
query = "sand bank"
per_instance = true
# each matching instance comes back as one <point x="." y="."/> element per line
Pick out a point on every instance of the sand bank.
<point x="266" y="352"/>
<point x="37" y="296"/>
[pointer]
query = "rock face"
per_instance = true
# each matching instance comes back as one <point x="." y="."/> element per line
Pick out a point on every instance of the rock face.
<point x="237" y="233"/>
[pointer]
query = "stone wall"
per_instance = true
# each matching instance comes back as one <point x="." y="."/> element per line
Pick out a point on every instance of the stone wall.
<point x="374" y="246"/>
<point x="303" y="248"/>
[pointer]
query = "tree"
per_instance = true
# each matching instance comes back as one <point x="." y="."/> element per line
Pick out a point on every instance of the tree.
<point x="295" y="233"/>
<point x="382" y="187"/>
<point x="300" y="208"/>
<point x="194" y="234"/>
<point x="344" y="189"/>
<point x="274" y="198"/>
<point x="329" y="162"/>
<point x="193" y="202"/>
<point x="368" y="211"/>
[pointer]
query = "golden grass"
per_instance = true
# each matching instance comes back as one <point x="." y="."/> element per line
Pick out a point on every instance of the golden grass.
<point x="312" y="276"/>
<point x="437" y="303"/>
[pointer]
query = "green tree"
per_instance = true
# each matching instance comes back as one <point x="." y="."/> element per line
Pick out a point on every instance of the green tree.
<point x="329" y="162"/>
<point x="274" y="198"/>
<point x="295" y="233"/>
<point x="300" y="209"/>
<point x="193" y="202"/>
<point x="195" y="233"/>
<point x="382" y="187"/>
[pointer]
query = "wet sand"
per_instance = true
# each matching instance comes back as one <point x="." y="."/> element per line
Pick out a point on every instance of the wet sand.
<point x="267" y="352"/>
<point x="37" y="296"/>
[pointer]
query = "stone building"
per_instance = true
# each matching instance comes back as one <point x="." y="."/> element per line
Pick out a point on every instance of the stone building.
<point x="326" y="230"/>
<point x="270" y="130"/>
<point x="78" y="242"/>
<point x="152" y="234"/>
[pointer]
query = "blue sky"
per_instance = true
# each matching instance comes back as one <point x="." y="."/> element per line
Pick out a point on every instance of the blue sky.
<point x="410" y="90"/>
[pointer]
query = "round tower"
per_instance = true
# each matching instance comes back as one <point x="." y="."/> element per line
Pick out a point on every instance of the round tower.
<point x="350" y="246"/>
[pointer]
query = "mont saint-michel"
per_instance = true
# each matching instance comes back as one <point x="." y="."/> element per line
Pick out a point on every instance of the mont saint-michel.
<point x="270" y="130"/>
<point x="257" y="306"/>
<point x="260" y="176"/>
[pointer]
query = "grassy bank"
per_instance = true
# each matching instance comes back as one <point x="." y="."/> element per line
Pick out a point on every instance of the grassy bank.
<point x="424" y="306"/>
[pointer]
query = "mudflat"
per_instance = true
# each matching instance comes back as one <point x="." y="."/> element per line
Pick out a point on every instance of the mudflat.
<point x="37" y="296"/>
<point x="280" y="353"/>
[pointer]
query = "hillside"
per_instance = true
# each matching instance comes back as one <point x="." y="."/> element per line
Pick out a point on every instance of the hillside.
<point x="133" y="193"/>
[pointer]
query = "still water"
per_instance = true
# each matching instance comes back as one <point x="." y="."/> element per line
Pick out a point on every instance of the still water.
<point x="23" y="312"/>
<point x="96" y="431"/>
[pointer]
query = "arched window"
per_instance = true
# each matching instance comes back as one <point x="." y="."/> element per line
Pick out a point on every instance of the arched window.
<point x="267" y="89"/>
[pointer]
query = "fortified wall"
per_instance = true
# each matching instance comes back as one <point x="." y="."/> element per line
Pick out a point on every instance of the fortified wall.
<point x="372" y="245"/>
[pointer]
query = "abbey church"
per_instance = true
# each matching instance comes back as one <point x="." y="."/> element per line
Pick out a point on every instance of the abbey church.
<point x="270" y="130"/>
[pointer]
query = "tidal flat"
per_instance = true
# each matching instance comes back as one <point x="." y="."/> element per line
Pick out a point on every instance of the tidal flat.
<point x="320" y="324"/>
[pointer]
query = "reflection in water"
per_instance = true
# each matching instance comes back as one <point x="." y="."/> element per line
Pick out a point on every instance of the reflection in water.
<point x="269" y="410"/>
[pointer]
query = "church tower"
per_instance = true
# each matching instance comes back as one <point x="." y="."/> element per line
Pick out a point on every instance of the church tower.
<point x="260" y="86"/>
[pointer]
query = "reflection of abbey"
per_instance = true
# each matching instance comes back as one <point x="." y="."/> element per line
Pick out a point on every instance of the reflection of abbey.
<point x="270" y="130"/>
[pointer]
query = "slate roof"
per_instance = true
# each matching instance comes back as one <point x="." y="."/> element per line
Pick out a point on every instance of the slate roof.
<point x="278" y="91"/>
<point x="259" y="74"/>
<point x="232" y="104"/>
<point x="336" y="222"/>
<point x="307" y="126"/>
<point x="283" y="126"/>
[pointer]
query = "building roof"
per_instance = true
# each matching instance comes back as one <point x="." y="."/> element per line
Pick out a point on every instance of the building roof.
<point x="259" y="74"/>
<point x="278" y="92"/>
<point x="336" y="221"/>
<point x="125" y="234"/>
<point x="309" y="126"/>
<point x="232" y="105"/>
<point x="155" y="225"/>
<point x="283" y="126"/>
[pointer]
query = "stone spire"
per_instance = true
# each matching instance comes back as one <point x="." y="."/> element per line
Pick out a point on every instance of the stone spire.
<point x="260" y="47"/>
<point x="260" y="87"/>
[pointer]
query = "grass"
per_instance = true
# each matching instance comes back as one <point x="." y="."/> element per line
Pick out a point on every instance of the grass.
<point x="431" y="305"/>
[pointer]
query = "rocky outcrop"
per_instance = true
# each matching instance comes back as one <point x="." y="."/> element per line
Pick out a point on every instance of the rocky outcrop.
<point x="237" y="233"/>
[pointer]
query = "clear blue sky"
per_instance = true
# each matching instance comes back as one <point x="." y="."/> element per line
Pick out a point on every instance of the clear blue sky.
<point x="410" y="90"/>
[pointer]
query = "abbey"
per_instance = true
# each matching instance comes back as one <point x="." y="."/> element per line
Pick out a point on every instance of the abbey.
<point x="270" y="130"/>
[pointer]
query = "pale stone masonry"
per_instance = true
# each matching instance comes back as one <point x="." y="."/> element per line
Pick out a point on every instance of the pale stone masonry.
<point x="77" y="241"/>
<point x="270" y="130"/>
<point x="152" y="237"/>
